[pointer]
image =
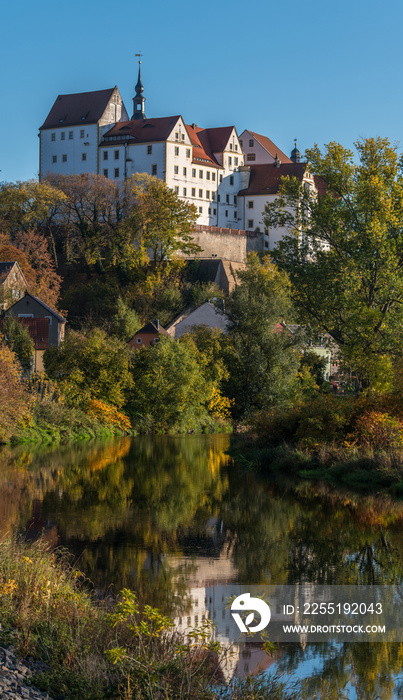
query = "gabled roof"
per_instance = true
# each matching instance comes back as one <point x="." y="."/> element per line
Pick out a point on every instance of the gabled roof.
<point x="202" y="152"/>
<point x="78" y="108"/>
<point x="151" y="327"/>
<point x="270" y="147"/>
<point x="266" y="178"/>
<point x="143" y="130"/>
<point x="219" y="137"/>
<point x="5" y="269"/>
<point x="42" y="303"/>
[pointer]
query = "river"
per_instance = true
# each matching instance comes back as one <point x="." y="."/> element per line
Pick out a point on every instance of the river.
<point x="174" y="519"/>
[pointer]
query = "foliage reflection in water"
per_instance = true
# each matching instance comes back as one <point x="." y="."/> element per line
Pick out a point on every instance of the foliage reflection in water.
<point x="172" y="517"/>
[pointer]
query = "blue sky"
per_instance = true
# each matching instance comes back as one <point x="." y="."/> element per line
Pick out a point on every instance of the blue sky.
<point x="317" y="71"/>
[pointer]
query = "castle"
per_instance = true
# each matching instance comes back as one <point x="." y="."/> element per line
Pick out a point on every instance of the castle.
<point x="229" y="178"/>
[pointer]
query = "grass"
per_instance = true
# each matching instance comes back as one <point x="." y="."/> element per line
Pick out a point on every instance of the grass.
<point x="123" y="651"/>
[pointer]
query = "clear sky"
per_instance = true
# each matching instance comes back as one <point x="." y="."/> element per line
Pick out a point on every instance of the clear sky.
<point x="316" y="71"/>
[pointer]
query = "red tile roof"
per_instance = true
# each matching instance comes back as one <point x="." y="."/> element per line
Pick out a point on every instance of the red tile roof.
<point x="143" y="130"/>
<point x="201" y="146"/>
<point x="266" y="178"/>
<point x="270" y="147"/>
<point x="78" y="108"/>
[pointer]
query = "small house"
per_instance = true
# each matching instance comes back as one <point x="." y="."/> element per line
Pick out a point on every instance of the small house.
<point x="12" y="283"/>
<point x="149" y="334"/>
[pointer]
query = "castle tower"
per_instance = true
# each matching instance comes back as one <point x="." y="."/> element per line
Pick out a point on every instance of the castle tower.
<point x="138" y="99"/>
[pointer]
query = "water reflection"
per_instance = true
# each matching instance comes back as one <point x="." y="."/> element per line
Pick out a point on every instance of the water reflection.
<point x="175" y="519"/>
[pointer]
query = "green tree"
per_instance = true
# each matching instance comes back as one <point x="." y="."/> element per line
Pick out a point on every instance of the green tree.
<point x="161" y="221"/>
<point x="344" y="250"/>
<point x="17" y="337"/>
<point x="264" y="359"/>
<point x="171" y="392"/>
<point x="15" y="402"/>
<point x="90" y="366"/>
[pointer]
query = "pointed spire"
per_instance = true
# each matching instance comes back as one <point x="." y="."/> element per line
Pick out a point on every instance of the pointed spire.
<point x="138" y="99"/>
<point x="139" y="87"/>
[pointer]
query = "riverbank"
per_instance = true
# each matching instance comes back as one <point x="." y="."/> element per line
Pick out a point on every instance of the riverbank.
<point x="366" y="470"/>
<point x="96" y="650"/>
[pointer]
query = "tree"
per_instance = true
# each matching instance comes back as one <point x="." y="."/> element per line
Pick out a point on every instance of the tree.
<point x="162" y="222"/>
<point x="90" y="366"/>
<point x="170" y="389"/>
<point x="15" y="402"/>
<point x="264" y="358"/>
<point x="17" y="338"/>
<point x="344" y="250"/>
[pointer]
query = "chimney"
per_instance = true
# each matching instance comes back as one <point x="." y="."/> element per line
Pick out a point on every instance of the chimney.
<point x="156" y="324"/>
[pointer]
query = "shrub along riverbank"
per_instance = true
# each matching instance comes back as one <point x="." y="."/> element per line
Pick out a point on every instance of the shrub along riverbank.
<point x="120" y="650"/>
<point x="351" y="441"/>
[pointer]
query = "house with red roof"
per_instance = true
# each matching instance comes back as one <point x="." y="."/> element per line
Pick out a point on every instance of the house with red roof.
<point x="149" y="334"/>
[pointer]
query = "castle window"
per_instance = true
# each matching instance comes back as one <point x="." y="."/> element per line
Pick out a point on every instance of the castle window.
<point x="227" y="198"/>
<point x="154" y="169"/>
<point x="176" y="169"/>
<point x="235" y="199"/>
<point x="208" y="174"/>
<point x="226" y="212"/>
<point x="176" y="136"/>
<point x="236" y="161"/>
<point x="183" y="137"/>
<point x="149" y="150"/>
<point x="209" y="211"/>
<point x="116" y="172"/>
<point x="64" y="158"/>
<point x="230" y="161"/>
<point x="207" y="194"/>
<point x="213" y="196"/>
<point x="105" y="155"/>
<point x="184" y="191"/>
<point x="213" y="176"/>
<point x="83" y="156"/>
<point x="53" y="137"/>
<point x="251" y="156"/>
<point x="184" y="171"/>
<point x="116" y="155"/>
<point x="54" y="159"/>
<point x="201" y="174"/>
<point x="250" y="223"/>
<point x="235" y="214"/>
<point x="240" y="141"/>
<point x="250" y="204"/>
<point x="201" y="194"/>
<point x="200" y="210"/>
<point x="236" y="146"/>
<point x="177" y="190"/>
<point x="105" y="172"/>
<point x="82" y="133"/>
<point x="188" y="153"/>
<point x="71" y="134"/>
<point x="218" y="198"/>
<point x="251" y="143"/>
<point x="230" y="147"/>
<point x="63" y="136"/>
<point x="231" y="179"/>
<point x="214" y="211"/>
<point x="193" y="192"/>
<point x="220" y="177"/>
<point x="176" y="150"/>
<point x="193" y="172"/>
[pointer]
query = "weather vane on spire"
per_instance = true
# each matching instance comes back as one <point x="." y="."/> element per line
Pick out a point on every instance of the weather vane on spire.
<point x="139" y="55"/>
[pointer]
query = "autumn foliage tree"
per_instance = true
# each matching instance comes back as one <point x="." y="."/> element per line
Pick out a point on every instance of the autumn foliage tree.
<point x="14" y="400"/>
